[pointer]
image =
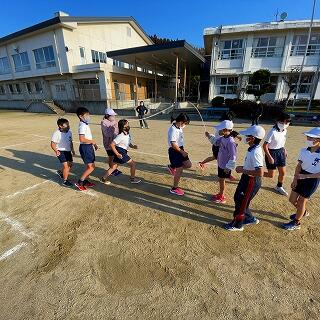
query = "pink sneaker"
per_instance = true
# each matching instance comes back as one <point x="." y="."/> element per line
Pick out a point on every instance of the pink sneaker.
<point x="215" y="196"/>
<point x="220" y="199"/>
<point x="177" y="191"/>
<point x="232" y="178"/>
<point x="171" y="170"/>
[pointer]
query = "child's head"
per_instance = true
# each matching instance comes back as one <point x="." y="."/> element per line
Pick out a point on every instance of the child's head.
<point x="110" y="114"/>
<point x="182" y="120"/>
<point x="141" y="103"/>
<point x="283" y="121"/>
<point x="313" y="138"/>
<point x="63" y="125"/>
<point x="83" y="114"/>
<point x="253" y="135"/>
<point x="123" y="126"/>
<point x="224" y="128"/>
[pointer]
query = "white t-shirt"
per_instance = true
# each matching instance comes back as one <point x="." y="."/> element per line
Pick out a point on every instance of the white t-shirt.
<point x="62" y="139"/>
<point x="310" y="160"/>
<point x="175" y="135"/>
<point x="85" y="130"/>
<point x="254" y="158"/>
<point x="122" y="140"/>
<point x="275" y="138"/>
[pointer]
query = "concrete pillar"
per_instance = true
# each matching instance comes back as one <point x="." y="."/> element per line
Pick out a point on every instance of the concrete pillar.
<point x="286" y="51"/>
<point x="103" y="85"/>
<point x="247" y="54"/>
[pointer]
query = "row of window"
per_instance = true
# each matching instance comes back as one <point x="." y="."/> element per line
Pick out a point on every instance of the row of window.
<point x="269" y="47"/>
<point x="20" y="88"/>
<point x="44" y="58"/>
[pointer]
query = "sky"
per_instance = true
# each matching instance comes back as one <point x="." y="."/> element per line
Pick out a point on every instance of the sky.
<point x="175" y="19"/>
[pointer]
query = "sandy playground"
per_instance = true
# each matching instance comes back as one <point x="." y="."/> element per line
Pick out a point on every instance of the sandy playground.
<point x="136" y="252"/>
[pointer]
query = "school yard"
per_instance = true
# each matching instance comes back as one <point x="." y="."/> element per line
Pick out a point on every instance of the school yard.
<point x="137" y="252"/>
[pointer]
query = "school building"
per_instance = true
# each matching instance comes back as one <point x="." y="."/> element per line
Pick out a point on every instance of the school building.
<point x="236" y="51"/>
<point x="70" y="61"/>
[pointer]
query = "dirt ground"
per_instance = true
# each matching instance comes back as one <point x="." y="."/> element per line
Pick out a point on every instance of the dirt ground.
<point x="137" y="252"/>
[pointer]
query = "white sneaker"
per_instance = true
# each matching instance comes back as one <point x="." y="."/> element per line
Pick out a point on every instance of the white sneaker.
<point x="281" y="191"/>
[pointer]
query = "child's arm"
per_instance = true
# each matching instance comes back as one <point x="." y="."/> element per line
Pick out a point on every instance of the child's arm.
<point x="113" y="147"/>
<point x="54" y="148"/>
<point x="296" y="174"/>
<point x="266" y="151"/>
<point x="87" y="141"/>
<point x="254" y="173"/>
<point x="133" y="146"/>
<point x="72" y="148"/>
<point x="175" y="146"/>
<point x="309" y="176"/>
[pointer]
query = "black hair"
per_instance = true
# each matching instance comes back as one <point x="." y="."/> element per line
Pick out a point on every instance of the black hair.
<point x="234" y="134"/>
<point x="284" y="117"/>
<point x="121" y="124"/>
<point x="142" y="102"/>
<point x="62" y="121"/>
<point x="182" y="117"/>
<point x="82" y="111"/>
<point x="257" y="141"/>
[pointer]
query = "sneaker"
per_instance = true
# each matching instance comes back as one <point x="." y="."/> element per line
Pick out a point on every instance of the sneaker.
<point x="281" y="191"/>
<point x="80" y="186"/>
<point x="67" y="183"/>
<point x="59" y="173"/>
<point x="88" y="184"/>
<point x="220" y="199"/>
<point x="201" y="165"/>
<point x="116" y="172"/>
<point x="105" y="181"/>
<point x="177" y="191"/>
<point x="232" y="178"/>
<point x="249" y="221"/>
<point x="293" y="216"/>
<point x="171" y="170"/>
<point x="215" y="196"/>
<point x="291" y="226"/>
<point x="234" y="226"/>
<point x="135" y="180"/>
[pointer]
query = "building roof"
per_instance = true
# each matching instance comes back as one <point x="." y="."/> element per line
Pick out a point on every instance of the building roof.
<point x="273" y="26"/>
<point x="162" y="56"/>
<point x="61" y="20"/>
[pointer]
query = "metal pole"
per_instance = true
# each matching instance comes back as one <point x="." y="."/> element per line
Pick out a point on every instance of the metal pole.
<point x="155" y="84"/>
<point x="177" y="75"/>
<point x="184" y="82"/>
<point x="304" y="56"/>
<point x="136" y="78"/>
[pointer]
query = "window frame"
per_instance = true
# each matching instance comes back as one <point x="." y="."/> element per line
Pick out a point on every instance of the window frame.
<point x="18" y="57"/>
<point x="44" y="57"/>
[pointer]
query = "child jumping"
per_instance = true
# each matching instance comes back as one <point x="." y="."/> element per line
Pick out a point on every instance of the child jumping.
<point x="109" y="129"/>
<point x="87" y="147"/>
<point x="120" y="147"/>
<point x="250" y="181"/>
<point x="62" y="145"/>
<point x="178" y="157"/>
<point x="227" y="157"/>
<point x="306" y="178"/>
<point x="275" y="152"/>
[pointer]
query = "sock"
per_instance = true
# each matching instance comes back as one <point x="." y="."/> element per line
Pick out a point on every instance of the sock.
<point x="280" y="184"/>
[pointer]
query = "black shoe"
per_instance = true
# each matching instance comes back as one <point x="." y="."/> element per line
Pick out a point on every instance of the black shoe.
<point x="67" y="183"/>
<point x="59" y="173"/>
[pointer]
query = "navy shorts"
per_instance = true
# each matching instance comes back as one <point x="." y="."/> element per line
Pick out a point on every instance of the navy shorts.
<point x="306" y="187"/>
<point x="125" y="157"/>
<point x="87" y="153"/>
<point x="279" y="156"/>
<point x="223" y="174"/>
<point x="65" y="156"/>
<point x="110" y="153"/>
<point x="215" y="151"/>
<point x="176" y="158"/>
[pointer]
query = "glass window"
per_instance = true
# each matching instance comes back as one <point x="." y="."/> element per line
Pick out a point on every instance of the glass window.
<point x="2" y="90"/>
<point x="231" y="49"/>
<point x="18" y="88"/>
<point x="299" y="45"/>
<point x="82" y="52"/>
<point x="44" y="57"/>
<point x="4" y="65"/>
<point x="98" y="56"/>
<point x="38" y="86"/>
<point x="227" y="85"/>
<point x="10" y="88"/>
<point x="21" y="62"/>
<point x="267" y="47"/>
<point x="29" y="87"/>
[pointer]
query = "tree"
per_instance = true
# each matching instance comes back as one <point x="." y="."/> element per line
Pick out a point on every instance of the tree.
<point x="158" y="40"/>
<point x="259" y="83"/>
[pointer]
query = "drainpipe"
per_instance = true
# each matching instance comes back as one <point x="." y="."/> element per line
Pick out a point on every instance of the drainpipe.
<point x="57" y="51"/>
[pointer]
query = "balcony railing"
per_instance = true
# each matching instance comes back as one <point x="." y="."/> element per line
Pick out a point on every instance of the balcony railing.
<point x="267" y="52"/>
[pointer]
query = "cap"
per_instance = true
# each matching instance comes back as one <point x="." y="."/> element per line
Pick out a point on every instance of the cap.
<point x="226" y="124"/>
<point x="109" y="112"/>
<point x="313" y="133"/>
<point x="255" y="131"/>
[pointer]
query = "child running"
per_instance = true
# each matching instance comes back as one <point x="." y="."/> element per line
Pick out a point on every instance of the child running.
<point x="250" y="181"/>
<point x="275" y="152"/>
<point x="109" y="129"/>
<point x="120" y="147"/>
<point x="62" y="145"/>
<point x="178" y="157"/>
<point x="227" y="157"/>
<point x="87" y="147"/>
<point x="306" y="178"/>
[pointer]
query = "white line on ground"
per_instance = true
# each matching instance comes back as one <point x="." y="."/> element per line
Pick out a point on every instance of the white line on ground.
<point x="26" y="189"/>
<point x="13" y="250"/>
<point x="23" y="143"/>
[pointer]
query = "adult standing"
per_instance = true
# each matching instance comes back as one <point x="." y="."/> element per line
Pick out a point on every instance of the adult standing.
<point x="142" y="111"/>
<point x="256" y="113"/>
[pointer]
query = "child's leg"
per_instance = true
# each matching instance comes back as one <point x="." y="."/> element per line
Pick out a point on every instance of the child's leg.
<point x="187" y="164"/>
<point x="222" y="186"/>
<point x="282" y="174"/>
<point x="177" y="177"/>
<point x="109" y="172"/>
<point x="65" y="170"/>
<point x="301" y="208"/>
<point x="110" y="161"/>
<point x="294" y="196"/>
<point x="269" y="174"/>
<point x="132" y="166"/>
<point x="209" y="159"/>
<point x="88" y="171"/>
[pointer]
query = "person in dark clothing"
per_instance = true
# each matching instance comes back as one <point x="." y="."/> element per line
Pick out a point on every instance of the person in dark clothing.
<point x="142" y="111"/>
<point x="256" y="113"/>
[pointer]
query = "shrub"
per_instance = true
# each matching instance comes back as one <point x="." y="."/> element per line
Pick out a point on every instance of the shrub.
<point x="217" y="101"/>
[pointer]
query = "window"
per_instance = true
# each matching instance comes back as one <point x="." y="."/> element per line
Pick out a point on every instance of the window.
<point x="118" y="63"/>
<point x="2" y="90"/>
<point x="60" y="88"/>
<point x="267" y="47"/>
<point x="274" y="84"/>
<point x="89" y="81"/>
<point x="38" y="86"/>
<point x="299" y="45"/>
<point x="4" y="65"/>
<point x="129" y="32"/>
<point x="29" y="87"/>
<point x="231" y="49"/>
<point x="21" y="62"/>
<point x="306" y="84"/>
<point x="82" y="52"/>
<point x="18" y="88"/>
<point x="227" y="85"/>
<point x="10" y="88"/>
<point x="44" y="57"/>
<point x="98" y="56"/>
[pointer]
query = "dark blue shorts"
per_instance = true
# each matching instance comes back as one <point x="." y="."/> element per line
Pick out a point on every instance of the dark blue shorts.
<point x="176" y="158"/>
<point x="65" y="156"/>
<point x="125" y="157"/>
<point x="307" y="187"/>
<point x="110" y="153"/>
<point x="222" y="174"/>
<point x="215" y="151"/>
<point x="87" y="153"/>
<point x="279" y="156"/>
